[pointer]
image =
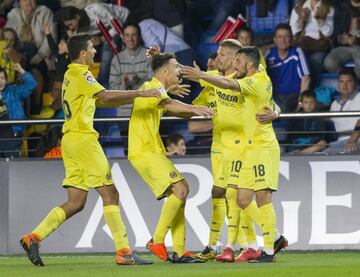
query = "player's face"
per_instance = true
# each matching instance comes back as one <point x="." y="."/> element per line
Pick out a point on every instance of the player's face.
<point x="241" y="65"/>
<point x="224" y="58"/>
<point x="90" y="53"/>
<point x="131" y="37"/>
<point x="282" y="39"/>
<point x="244" y="38"/>
<point x="346" y="84"/>
<point x="2" y="81"/>
<point x="173" y="72"/>
<point x="308" y="104"/>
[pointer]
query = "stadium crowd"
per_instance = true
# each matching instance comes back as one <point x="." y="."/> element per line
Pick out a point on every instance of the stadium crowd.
<point x="315" y="39"/>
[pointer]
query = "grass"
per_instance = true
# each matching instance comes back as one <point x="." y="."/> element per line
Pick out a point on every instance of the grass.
<point x="336" y="263"/>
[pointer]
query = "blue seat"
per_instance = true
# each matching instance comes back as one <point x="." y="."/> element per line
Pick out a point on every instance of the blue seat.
<point x="113" y="143"/>
<point x="266" y="25"/>
<point x="204" y="50"/>
<point x="328" y="80"/>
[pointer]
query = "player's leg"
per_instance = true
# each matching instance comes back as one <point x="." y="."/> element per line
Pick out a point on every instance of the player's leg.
<point x="219" y="208"/>
<point x="112" y="215"/>
<point x="30" y="242"/>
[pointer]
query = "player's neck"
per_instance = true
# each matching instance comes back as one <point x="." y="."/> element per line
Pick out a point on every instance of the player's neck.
<point x="162" y="80"/>
<point x="228" y="72"/>
<point x="80" y="61"/>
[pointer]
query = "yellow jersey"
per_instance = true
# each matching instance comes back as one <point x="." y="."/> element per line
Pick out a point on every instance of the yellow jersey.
<point x="78" y="101"/>
<point x="145" y="121"/>
<point x="257" y="91"/>
<point x="231" y="109"/>
<point x="207" y="97"/>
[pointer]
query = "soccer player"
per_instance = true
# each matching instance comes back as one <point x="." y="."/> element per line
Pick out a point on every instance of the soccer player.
<point x="85" y="163"/>
<point x="222" y="194"/>
<point x="147" y="155"/>
<point x="255" y="168"/>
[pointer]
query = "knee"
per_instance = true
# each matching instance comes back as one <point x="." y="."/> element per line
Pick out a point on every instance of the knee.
<point x="181" y="191"/>
<point x="243" y="202"/>
<point x="218" y="192"/>
<point x="75" y="207"/>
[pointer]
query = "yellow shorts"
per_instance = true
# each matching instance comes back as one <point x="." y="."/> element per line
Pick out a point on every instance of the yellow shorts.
<point x="217" y="169"/>
<point x="85" y="163"/>
<point x="234" y="163"/>
<point x="157" y="171"/>
<point x="265" y="168"/>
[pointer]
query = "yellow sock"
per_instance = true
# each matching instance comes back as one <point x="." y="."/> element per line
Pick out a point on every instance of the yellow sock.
<point x="178" y="232"/>
<point x="217" y="219"/>
<point x="50" y="223"/>
<point x="241" y="238"/>
<point x="113" y="219"/>
<point x="254" y="213"/>
<point x="247" y="227"/>
<point x="233" y="216"/>
<point x="167" y="216"/>
<point x="269" y="227"/>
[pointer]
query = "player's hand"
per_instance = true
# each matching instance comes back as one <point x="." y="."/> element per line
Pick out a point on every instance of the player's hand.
<point x="179" y="90"/>
<point x="150" y="93"/>
<point x="267" y="117"/>
<point x="17" y="67"/>
<point x="191" y="73"/>
<point x="203" y="111"/>
<point x="153" y="51"/>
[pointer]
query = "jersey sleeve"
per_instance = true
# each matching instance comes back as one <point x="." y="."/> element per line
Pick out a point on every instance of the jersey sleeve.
<point x="163" y="93"/>
<point x="255" y="86"/>
<point x="87" y="84"/>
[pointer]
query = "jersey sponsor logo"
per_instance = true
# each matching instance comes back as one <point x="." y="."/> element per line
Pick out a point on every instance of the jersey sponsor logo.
<point x="90" y="79"/>
<point x="227" y="97"/>
<point x="173" y="174"/>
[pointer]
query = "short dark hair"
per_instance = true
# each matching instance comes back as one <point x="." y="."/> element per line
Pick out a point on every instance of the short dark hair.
<point x="349" y="72"/>
<point x="252" y="52"/>
<point x="245" y="29"/>
<point x="77" y="44"/>
<point x="174" y="139"/>
<point x="213" y="56"/>
<point x="282" y="26"/>
<point x="308" y="93"/>
<point x="161" y="60"/>
<point x="3" y="70"/>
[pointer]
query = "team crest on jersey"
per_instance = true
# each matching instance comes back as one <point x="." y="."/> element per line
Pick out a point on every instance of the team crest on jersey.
<point x="173" y="174"/>
<point x="90" y="79"/>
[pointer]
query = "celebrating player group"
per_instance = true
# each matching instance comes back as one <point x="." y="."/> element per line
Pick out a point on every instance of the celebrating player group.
<point x="245" y="154"/>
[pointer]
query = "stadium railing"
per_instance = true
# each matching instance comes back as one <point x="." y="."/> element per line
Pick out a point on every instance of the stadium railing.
<point x="113" y="142"/>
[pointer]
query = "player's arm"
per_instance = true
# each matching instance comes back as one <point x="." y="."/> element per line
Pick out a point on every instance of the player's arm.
<point x="194" y="73"/>
<point x="183" y="110"/>
<point x="114" y="98"/>
<point x="269" y="115"/>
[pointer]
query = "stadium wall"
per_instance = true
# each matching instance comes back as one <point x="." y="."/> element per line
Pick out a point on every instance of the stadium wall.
<point x="317" y="204"/>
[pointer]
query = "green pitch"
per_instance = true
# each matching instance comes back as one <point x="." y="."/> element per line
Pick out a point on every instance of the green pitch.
<point x="291" y="264"/>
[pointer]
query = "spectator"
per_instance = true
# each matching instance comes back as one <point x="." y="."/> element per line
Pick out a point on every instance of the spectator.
<point x="76" y="21"/>
<point x="245" y="36"/>
<point x="346" y="127"/>
<point x="309" y="133"/>
<point x="50" y="146"/>
<point x="348" y="29"/>
<point x="9" y="53"/>
<point x="11" y="107"/>
<point x="80" y="4"/>
<point x="287" y="68"/>
<point x="175" y="145"/>
<point x="312" y="24"/>
<point x="5" y="6"/>
<point x="130" y="68"/>
<point x="28" y="21"/>
<point x="170" y="13"/>
<point x="155" y="33"/>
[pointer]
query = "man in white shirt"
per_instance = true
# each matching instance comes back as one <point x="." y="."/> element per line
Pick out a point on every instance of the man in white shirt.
<point x="347" y="127"/>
